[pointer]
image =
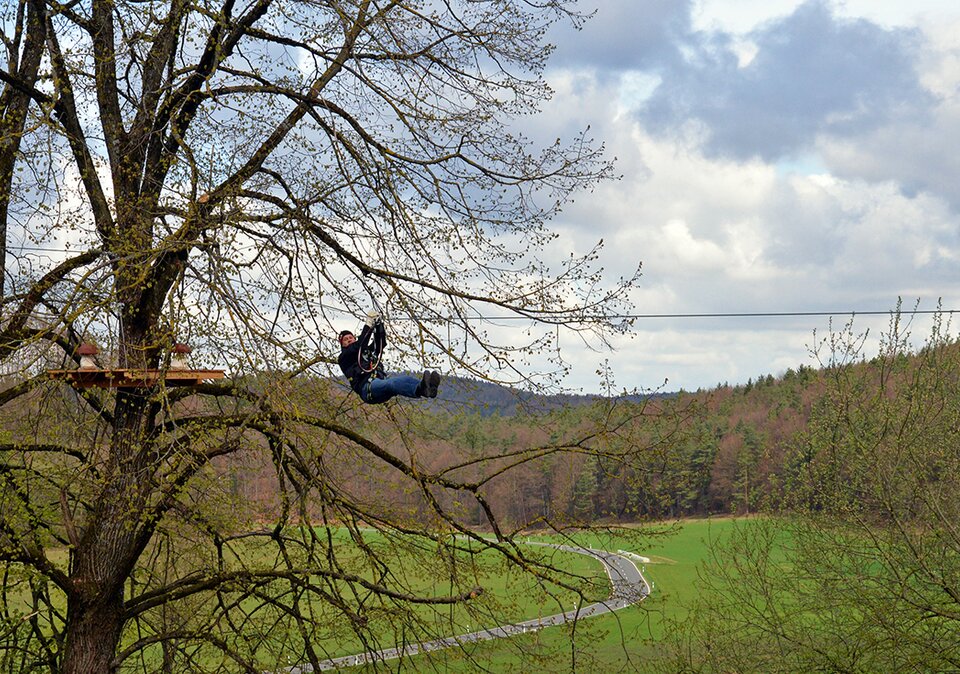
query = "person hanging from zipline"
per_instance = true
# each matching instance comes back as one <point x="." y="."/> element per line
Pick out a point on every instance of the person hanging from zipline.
<point x="360" y="360"/>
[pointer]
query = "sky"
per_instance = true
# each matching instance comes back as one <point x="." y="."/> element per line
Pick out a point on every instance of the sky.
<point x="777" y="156"/>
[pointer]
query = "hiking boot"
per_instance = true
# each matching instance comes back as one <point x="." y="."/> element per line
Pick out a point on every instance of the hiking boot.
<point x="423" y="388"/>
<point x="433" y="382"/>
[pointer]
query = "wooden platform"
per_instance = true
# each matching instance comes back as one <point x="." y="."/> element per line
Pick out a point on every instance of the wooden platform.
<point x="133" y="378"/>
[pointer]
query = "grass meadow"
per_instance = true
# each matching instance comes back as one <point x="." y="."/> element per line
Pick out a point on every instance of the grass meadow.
<point x="623" y="641"/>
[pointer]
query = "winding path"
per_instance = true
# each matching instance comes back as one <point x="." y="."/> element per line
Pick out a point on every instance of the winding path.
<point x="629" y="587"/>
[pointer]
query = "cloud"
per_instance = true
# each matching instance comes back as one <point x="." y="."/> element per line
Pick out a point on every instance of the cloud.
<point x="914" y="152"/>
<point x="793" y="240"/>
<point x="918" y="155"/>
<point x="811" y="73"/>
<point x="624" y="35"/>
<point x="690" y="356"/>
<point x="804" y="165"/>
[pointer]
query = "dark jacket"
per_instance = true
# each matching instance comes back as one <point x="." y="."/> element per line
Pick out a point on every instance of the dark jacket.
<point x="349" y="359"/>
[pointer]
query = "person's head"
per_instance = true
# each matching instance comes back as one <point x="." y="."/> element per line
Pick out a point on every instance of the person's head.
<point x="346" y="338"/>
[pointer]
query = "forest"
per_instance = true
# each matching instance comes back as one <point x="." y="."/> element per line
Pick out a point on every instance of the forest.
<point x="851" y="467"/>
<point x="729" y="450"/>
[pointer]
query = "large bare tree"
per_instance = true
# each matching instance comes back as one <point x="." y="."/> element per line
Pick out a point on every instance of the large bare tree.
<point x="247" y="175"/>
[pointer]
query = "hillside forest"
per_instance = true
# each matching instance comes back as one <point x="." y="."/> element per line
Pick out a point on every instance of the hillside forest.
<point x="729" y="450"/>
<point x="857" y="458"/>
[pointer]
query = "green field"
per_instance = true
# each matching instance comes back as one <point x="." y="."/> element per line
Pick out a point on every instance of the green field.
<point x="623" y="641"/>
<point x="509" y="594"/>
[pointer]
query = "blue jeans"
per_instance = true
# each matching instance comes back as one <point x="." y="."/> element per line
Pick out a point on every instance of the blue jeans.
<point x="381" y="390"/>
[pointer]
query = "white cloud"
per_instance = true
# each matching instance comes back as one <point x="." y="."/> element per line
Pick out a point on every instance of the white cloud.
<point x="742" y="16"/>
<point x="915" y="152"/>
<point x="844" y="217"/>
<point x="940" y="64"/>
<point x="635" y="87"/>
<point x="739" y="16"/>
<point x="897" y="12"/>
<point x="677" y="244"/>
<point x="722" y="236"/>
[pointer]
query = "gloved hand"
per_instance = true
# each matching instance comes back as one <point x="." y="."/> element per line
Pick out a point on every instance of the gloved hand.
<point x="372" y="317"/>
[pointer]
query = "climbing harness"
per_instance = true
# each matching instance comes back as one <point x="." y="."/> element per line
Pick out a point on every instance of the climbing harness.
<point x="368" y="357"/>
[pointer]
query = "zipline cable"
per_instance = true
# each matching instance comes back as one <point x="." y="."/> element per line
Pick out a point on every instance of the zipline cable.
<point x="744" y="314"/>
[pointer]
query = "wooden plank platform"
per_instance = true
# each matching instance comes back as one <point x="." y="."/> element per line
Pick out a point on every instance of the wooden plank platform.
<point x="85" y="378"/>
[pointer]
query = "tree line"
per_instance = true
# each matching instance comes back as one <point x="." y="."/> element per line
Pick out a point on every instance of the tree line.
<point x="728" y="450"/>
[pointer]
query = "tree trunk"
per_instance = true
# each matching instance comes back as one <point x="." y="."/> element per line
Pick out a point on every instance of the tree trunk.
<point x="111" y="542"/>
<point x="93" y="633"/>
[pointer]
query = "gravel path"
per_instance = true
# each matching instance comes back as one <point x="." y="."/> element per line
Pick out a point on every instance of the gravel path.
<point x="629" y="587"/>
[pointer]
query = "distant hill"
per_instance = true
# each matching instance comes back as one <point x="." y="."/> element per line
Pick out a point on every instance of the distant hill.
<point x="487" y="399"/>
